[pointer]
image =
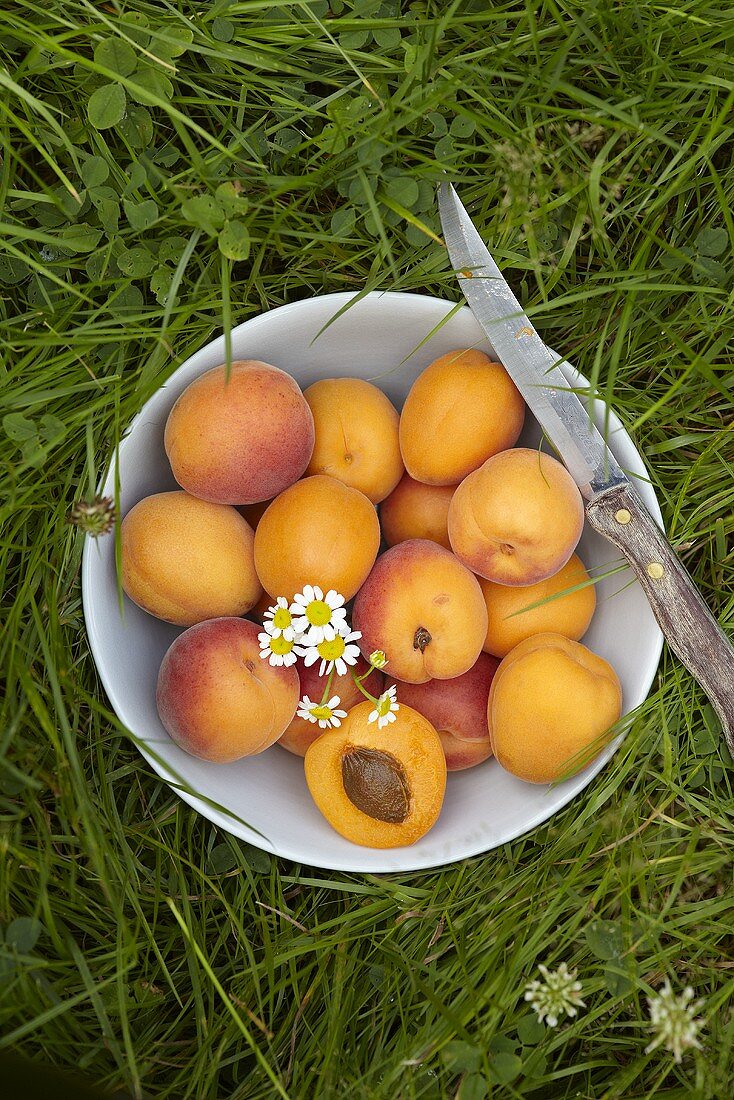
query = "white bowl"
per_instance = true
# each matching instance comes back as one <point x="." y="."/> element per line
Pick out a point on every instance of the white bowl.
<point x="484" y="807"/>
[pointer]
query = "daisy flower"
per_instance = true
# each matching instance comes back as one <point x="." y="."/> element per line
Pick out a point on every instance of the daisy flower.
<point x="386" y="708"/>
<point x="313" y="612"/>
<point x="673" y="1021"/>
<point x="559" y="992"/>
<point x="278" y="620"/>
<point x="277" y="649"/>
<point x="378" y="659"/>
<point x="335" y="650"/>
<point x="325" y="714"/>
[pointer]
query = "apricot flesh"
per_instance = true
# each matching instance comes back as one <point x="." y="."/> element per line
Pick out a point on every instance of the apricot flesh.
<point x="301" y="733"/>
<point x="568" y="614"/>
<point x="461" y="410"/>
<point x="517" y="519"/>
<point x="416" y="511"/>
<point x="424" y="609"/>
<point x="319" y="531"/>
<point x="242" y="438"/>
<point x="550" y="706"/>
<point x="381" y="788"/>
<point x="457" y="709"/>
<point x="356" y="429"/>
<point x="185" y="560"/>
<point x="217" y="698"/>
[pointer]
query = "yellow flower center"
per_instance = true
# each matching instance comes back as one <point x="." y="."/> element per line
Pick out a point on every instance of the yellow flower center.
<point x="383" y="705"/>
<point x="330" y="651"/>
<point x="321" y="712"/>
<point x="280" y="646"/>
<point x="282" y="618"/>
<point x="318" y="613"/>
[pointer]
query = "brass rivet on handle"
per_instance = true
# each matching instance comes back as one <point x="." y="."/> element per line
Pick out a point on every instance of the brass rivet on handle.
<point x="655" y="570"/>
<point x="622" y="516"/>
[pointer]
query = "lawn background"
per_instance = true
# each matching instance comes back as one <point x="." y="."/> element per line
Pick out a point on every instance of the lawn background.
<point x="171" y="169"/>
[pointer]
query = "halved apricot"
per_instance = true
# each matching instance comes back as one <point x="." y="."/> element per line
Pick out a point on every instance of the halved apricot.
<point x="381" y="788"/>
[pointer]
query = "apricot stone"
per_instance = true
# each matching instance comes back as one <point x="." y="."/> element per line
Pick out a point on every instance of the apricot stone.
<point x="240" y="439"/>
<point x="517" y="519"/>
<point x="356" y="435"/>
<point x="185" y="559"/>
<point x="569" y="614"/>
<point x="424" y="609"/>
<point x="381" y="788"/>
<point x="217" y="698"/>
<point x="461" y="410"/>
<point x="319" y="531"/>
<point x="302" y="733"/>
<point x="457" y="709"/>
<point x="551" y="704"/>
<point x="416" y="511"/>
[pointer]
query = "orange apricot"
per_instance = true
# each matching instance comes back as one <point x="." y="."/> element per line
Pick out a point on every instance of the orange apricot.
<point x="517" y="519"/>
<point x="569" y="609"/>
<point x="381" y="788"/>
<point x="356" y="435"/>
<point x="185" y="559"/>
<point x="551" y="705"/>
<point x="461" y="410"/>
<point x="416" y="511"/>
<point x="319" y="531"/>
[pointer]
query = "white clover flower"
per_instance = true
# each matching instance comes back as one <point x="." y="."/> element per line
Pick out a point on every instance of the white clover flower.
<point x="313" y="612"/>
<point x="278" y="620"/>
<point x="559" y="992"/>
<point x="277" y="650"/>
<point x="386" y="708"/>
<point x="378" y="659"/>
<point x="325" y="714"/>
<point x="335" y="651"/>
<point x="673" y="1020"/>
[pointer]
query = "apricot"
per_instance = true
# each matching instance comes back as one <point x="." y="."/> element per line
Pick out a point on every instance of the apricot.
<point x="381" y="788"/>
<point x="550" y="705"/>
<point x="240" y="439"/>
<point x="416" y="511"/>
<point x="424" y="609"/>
<point x="185" y="559"/>
<point x="461" y="410"/>
<point x="356" y="435"/>
<point x="569" y="614"/>
<point x="301" y="733"/>
<point x="457" y="709"/>
<point x="517" y="519"/>
<point x="319" y="531"/>
<point x="217" y="698"/>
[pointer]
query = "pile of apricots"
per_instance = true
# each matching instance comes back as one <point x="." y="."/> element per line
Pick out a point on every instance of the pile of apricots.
<point x="455" y="546"/>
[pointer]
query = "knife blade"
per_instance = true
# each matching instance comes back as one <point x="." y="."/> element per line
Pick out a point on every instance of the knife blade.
<point x="533" y="367"/>
<point x="613" y="507"/>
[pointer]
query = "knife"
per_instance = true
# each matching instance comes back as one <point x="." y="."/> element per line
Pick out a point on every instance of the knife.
<point x="613" y="507"/>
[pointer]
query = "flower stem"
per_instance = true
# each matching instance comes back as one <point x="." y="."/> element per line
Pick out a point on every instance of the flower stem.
<point x="358" y="681"/>
<point x="327" y="689"/>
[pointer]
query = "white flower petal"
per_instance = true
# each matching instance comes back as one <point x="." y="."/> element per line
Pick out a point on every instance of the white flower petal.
<point x="310" y="657"/>
<point x="334" y="702"/>
<point x="340" y="714"/>
<point x="341" y="667"/>
<point x="373" y="716"/>
<point x="308" y="593"/>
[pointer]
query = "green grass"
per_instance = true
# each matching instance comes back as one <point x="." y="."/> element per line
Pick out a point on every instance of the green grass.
<point x="593" y="144"/>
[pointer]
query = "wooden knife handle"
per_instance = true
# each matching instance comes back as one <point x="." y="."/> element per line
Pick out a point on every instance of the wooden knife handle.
<point x="689" y="627"/>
